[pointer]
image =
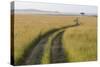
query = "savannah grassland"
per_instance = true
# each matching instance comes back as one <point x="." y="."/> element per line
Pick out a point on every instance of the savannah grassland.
<point x="79" y="42"/>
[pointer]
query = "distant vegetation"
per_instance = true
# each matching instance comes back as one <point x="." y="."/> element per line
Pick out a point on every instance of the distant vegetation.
<point x="82" y="13"/>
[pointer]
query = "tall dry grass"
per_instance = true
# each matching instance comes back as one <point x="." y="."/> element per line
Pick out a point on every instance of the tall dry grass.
<point x="80" y="43"/>
<point x="27" y="27"/>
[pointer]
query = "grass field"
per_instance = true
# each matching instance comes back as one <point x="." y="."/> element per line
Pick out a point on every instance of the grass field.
<point x="28" y="27"/>
<point x="79" y="43"/>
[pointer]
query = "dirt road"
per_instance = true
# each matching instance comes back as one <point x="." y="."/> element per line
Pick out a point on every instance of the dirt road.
<point x="57" y="51"/>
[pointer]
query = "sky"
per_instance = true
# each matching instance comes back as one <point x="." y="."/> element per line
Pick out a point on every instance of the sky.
<point x="67" y="8"/>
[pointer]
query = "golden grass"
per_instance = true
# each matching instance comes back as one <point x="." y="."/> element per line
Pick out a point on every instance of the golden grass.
<point x="80" y="43"/>
<point x="27" y="27"/>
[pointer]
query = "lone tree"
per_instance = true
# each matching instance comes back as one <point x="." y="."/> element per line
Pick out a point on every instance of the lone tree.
<point x="82" y="13"/>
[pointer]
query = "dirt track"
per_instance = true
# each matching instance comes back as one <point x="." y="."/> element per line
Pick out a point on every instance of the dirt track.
<point x="36" y="53"/>
<point x="57" y="52"/>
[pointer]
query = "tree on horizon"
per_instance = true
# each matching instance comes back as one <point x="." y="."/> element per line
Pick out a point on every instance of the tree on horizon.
<point x="82" y="13"/>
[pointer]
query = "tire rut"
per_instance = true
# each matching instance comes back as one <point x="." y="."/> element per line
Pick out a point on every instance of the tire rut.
<point x="57" y="51"/>
<point x="36" y="54"/>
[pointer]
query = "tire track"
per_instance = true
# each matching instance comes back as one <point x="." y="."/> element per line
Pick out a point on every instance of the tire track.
<point x="57" y="52"/>
<point x="36" y="54"/>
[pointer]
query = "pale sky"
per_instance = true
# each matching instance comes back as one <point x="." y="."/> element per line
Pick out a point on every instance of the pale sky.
<point x="56" y="7"/>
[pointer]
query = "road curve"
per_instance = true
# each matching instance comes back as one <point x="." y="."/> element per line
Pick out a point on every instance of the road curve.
<point x="35" y="55"/>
